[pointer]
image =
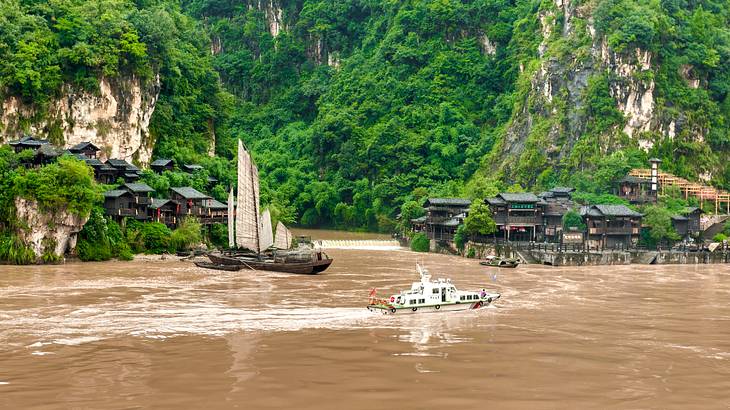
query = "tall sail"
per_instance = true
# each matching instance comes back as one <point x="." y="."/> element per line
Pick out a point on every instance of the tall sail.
<point x="266" y="236"/>
<point x="283" y="237"/>
<point x="231" y="221"/>
<point x="247" y="212"/>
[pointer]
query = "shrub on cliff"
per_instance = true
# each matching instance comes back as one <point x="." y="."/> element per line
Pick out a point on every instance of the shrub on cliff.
<point x="186" y="235"/>
<point x="101" y="239"/>
<point x="14" y="251"/>
<point x="420" y="243"/>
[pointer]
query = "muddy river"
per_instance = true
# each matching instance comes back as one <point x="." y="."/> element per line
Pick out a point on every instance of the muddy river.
<point x="166" y="334"/>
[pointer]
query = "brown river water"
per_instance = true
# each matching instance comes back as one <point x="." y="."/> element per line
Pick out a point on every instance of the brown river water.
<point x="165" y="334"/>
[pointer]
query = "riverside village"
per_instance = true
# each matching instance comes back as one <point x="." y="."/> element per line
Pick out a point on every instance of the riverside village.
<point x="547" y="228"/>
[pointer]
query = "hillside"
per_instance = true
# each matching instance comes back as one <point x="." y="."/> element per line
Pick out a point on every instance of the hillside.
<point x="355" y="107"/>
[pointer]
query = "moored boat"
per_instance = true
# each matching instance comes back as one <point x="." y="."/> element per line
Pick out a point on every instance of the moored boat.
<point x="439" y="295"/>
<point x="250" y="235"/>
<point x="500" y="262"/>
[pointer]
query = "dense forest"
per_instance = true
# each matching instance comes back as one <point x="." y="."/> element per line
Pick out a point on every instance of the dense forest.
<point x="354" y="107"/>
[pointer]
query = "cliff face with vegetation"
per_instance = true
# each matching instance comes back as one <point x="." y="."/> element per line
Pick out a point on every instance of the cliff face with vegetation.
<point x="355" y="107"/>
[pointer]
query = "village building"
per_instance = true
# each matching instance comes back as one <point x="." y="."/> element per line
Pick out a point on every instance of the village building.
<point x="142" y="196"/>
<point x="636" y="190"/>
<point x="687" y="222"/>
<point x="519" y="216"/>
<point x="189" y="201"/>
<point x="27" y="142"/>
<point x="558" y="202"/>
<point x="120" y="204"/>
<point x="192" y="168"/>
<point x="443" y="217"/>
<point x="44" y="155"/>
<point x="86" y="149"/>
<point x="217" y="212"/>
<point x="161" y="165"/>
<point x="163" y="211"/>
<point x="611" y="226"/>
<point x="124" y="169"/>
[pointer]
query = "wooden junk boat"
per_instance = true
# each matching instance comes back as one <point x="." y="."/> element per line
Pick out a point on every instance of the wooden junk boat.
<point x="251" y="239"/>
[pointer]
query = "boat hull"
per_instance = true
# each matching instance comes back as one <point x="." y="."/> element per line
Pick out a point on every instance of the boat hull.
<point x="252" y="263"/>
<point x="503" y="265"/>
<point x="450" y="307"/>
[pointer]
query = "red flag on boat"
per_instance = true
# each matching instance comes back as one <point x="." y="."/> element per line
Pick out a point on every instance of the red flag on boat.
<point x="373" y="291"/>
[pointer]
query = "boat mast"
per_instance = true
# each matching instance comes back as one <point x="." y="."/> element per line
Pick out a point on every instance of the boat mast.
<point x="231" y="233"/>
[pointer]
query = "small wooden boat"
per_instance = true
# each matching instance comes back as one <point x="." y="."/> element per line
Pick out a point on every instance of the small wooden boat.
<point x="208" y="265"/>
<point x="430" y="296"/>
<point x="500" y="262"/>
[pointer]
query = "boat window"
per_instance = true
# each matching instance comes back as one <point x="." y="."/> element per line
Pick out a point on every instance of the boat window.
<point x="462" y="297"/>
<point x="412" y="301"/>
<point x="435" y="290"/>
<point x="468" y="297"/>
<point x="421" y="300"/>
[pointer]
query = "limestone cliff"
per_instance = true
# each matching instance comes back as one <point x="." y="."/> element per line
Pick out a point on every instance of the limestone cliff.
<point x="115" y="117"/>
<point x="44" y="232"/>
<point x="552" y="117"/>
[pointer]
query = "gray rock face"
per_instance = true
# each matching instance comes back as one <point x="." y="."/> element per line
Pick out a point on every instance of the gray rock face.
<point x="116" y="118"/>
<point x="56" y="232"/>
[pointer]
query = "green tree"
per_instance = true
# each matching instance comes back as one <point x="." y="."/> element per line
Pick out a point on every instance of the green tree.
<point x="479" y="221"/>
<point x="572" y="219"/>
<point x="186" y="235"/>
<point x="420" y="243"/>
<point x="659" y="221"/>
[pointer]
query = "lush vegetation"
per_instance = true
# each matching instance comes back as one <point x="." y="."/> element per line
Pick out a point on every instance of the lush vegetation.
<point x="420" y="243"/>
<point x="357" y="110"/>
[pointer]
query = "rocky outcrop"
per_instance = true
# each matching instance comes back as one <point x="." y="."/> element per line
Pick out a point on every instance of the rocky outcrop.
<point x="47" y="232"/>
<point x="552" y="114"/>
<point x="115" y="117"/>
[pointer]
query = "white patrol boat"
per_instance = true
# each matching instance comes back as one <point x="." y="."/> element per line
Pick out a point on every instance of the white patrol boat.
<point x="430" y="296"/>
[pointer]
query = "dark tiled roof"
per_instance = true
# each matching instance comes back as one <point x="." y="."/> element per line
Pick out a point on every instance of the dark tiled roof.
<point x="215" y="204"/>
<point x="448" y="222"/>
<point x="94" y="162"/>
<point x="105" y="167"/>
<point x="48" y="151"/>
<point x="654" y="160"/>
<point x="138" y="187"/>
<point x="189" y="193"/>
<point x="609" y="210"/>
<point x="519" y="197"/>
<point x="115" y="193"/>
<point x="160" y="162"/>
<point x="679" y="218"/>
<point x="496" y="201"/>
<point x="159" y="203"/>
<point x="28" y="140"/>
<point x="118" y="163"/>
<point x="562" y="190"/>
<point x="212" y="179"/>
<point x="131" y="175"/>
<point x="420" y="219"/>
<point x="449" y="201"/>
<point x="193" y="167"/>
<point x="691" y="209"/>
<point x="83" y="145"/>
<point x="546" y="194"/>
